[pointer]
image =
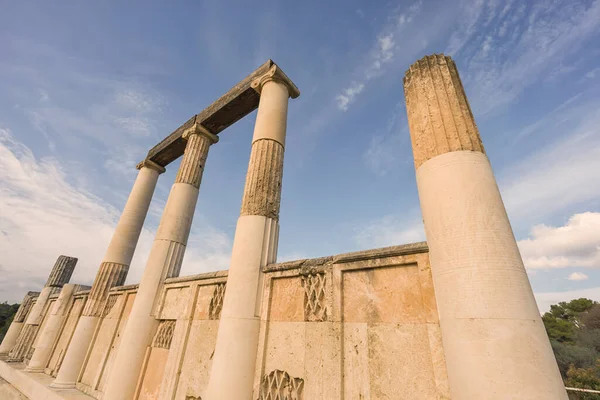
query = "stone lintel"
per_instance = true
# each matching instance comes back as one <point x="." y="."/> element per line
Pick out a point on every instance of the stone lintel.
<point x="234" y="105"/>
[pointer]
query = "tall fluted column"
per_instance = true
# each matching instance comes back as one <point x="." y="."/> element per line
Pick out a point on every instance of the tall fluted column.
<point x="48" y="336"/>
<point x="59" y="276"/>
<point x="10" y="339"/>
<point x="112" y="272"/>
<point x="494" y="341"/>
<point x="254" y="245"/>
<point x="164" y="262"/>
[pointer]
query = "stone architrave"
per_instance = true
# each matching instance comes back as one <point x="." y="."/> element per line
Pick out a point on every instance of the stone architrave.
<point x="10" y="339"/>
<point x="59" y="276"/>
<point x="255" y="243"/>
<point x="493" y="337"/>
<point x="112" y="272"/>
<point x="164" y="262"/>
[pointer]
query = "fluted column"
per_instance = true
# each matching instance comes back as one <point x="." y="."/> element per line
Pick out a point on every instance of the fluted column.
<point x="10" y="339"/>
<point x="494" y="341"/>
<point x="254" y="246"/>
<point x="60" y="275"/>
<point x="164" y="262"/>
<point x="112" y="272"/>
<point x="48" y="336"/>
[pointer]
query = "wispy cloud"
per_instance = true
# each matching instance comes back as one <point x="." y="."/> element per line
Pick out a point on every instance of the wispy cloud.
<point x="390" y="230"/>
<point x="380" y="55"/>
<point x="524" y="44"/>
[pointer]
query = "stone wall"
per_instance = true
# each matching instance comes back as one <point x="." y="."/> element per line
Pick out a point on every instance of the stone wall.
<point x="356" y="326"/>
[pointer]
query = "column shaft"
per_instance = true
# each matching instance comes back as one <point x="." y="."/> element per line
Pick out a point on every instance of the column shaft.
<point x="254" y="246"/>
<point x="112" y="272"/>
<point x="52" y="328"/>
<point x="494" y="340"/>
<point x="164" y="261"/>
<point x="10" y="339"/>
<point x="29" y="331"/>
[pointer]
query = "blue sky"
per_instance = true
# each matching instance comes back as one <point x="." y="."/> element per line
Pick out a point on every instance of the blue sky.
<point x="87" y="88"/>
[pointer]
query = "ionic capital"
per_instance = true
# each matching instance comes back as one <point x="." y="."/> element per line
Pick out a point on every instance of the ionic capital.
<point x="275" y="74"/>
<point x="198" y="129"/>
<point x="150" y="164"/>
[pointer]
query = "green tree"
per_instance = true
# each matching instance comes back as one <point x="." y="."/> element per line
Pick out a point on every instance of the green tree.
<point x="7" y="313"/>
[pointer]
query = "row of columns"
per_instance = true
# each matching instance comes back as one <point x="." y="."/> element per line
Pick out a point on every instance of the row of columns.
<point x="255" y="245"/>
<point x="493" y="338"/>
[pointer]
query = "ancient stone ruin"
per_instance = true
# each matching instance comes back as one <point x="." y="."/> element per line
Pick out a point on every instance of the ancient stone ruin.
<point x="452" y="318"/>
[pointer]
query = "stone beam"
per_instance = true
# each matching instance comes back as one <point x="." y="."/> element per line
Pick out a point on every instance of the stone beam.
<point x="238" y="102"/>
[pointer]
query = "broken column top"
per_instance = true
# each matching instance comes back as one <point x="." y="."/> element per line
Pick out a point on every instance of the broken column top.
<point x="62" y="271"/>
<point x="439" y="116"/>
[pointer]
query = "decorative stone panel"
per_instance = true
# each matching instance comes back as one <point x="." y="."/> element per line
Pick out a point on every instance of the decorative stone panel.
<point x="216" y="303"/>
<point x="315" y="302"/>
<point x="279" y="385"/>
<point x="164" y="334"/>
<point x="110" y="303"/>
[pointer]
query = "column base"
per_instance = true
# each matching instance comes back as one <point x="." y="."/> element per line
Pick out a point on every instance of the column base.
<point x="59" y="385"/>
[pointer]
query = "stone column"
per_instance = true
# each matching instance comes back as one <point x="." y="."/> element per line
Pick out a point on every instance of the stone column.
<point x="10" y="339"/>
<point x="164" y="262"/>
<point x="60" y="274"/>
<point x="494" y="340"/>
<point x="52" y="328"/>
<point x="112" y="272"/>
<point x="254" y="246"/>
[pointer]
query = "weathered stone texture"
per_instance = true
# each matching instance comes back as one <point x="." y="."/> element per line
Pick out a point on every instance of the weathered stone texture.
<point x="262" y="194"/>
<point x="62" y="271"/>
<point x="439" y="115"/>
<point x="24" y="343"/>
<point x="110" y="275"/>
<point x="192" y="165"/>
<point x="25" y="306"/>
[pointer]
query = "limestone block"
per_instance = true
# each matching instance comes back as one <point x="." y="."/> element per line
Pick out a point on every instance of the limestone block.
<point x="153" y="374"/>
<point x="287" y="300"/>
<point x="400" y="365"/>
<point x="197" y="359"/>
<point x="383" y="295"/>
<point x="175" y="303"/>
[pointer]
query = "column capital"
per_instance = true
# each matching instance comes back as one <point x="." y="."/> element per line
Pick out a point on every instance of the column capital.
<point x="275" y="74"/>
<point x="150" y="164"/>
<point x="198" y="129"/>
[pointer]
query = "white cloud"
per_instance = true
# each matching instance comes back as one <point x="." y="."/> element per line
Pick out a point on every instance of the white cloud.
<point x="348" y="95"/>
<point x="44" y="214"/>
<point x="576" y="244"/>
<point x="577" y="276"/>
<point x="545" y="299"/>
